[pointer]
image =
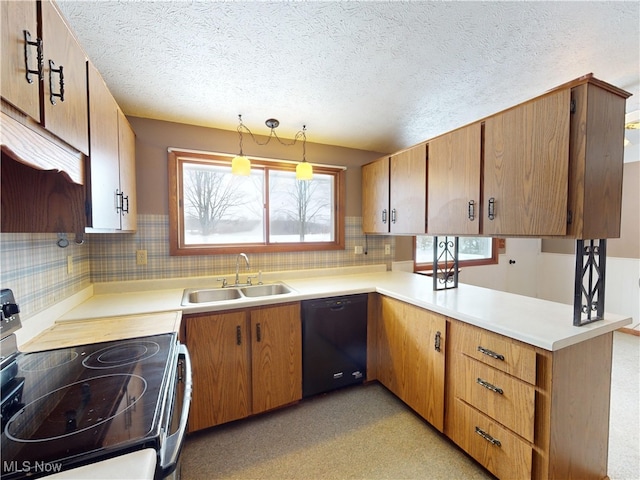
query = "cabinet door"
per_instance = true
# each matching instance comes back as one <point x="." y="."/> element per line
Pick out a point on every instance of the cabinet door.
<point x="408" y="178"/>
<point x="104" y="165"/>
<point x="276" y="356"/>
<point x="219" y="348"/>
<point x="15" y="19"/>
<point x="127" y="157"/>
<point x="453" y="205"/>
<point x="526" y="168"/>
<point x="375" y="196"/>
<point x="67" y="119"/>
<point x="412" y="345"/>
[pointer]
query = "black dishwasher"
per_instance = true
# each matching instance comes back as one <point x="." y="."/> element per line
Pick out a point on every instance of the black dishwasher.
<point x="334" y="343"/>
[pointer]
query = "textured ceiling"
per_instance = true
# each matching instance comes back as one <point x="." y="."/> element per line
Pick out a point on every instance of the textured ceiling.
<point x="378" y="76"/>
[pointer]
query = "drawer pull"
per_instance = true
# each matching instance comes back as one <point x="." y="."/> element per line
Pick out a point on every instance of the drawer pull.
<point x="488" y="352"/>
<point x="436" y="344"/>
<point x="488" y="386"/>
<point x="238" y="335"/>
<point x="488" y="438"/>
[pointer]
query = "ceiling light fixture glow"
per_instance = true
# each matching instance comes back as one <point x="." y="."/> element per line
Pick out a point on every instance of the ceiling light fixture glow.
<point x="241" y="165"/>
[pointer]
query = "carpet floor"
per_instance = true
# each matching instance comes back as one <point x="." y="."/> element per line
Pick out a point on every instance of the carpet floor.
<point x="365" y="432"/>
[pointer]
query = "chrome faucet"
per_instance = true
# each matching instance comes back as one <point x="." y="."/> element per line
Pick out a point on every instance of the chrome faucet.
<point x="246" y="259"/>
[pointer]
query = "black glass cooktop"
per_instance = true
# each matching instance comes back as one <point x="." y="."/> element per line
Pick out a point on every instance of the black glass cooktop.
<point x="71" y="406"/>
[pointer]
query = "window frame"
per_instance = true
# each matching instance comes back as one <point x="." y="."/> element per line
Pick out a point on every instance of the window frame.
<point x="428" y="267"/>
<point x="177" y="247"/>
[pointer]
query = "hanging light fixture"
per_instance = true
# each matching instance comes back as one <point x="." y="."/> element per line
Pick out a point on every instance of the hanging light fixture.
<point x="241" y="165"/>
<point x="304" y="170"/>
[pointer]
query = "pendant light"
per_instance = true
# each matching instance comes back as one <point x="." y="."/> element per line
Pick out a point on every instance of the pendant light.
<point x="304" y="170"/>
<point x="241" y="165"/>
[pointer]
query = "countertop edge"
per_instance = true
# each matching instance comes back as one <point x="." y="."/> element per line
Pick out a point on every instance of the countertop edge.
<point x="541" y="323"/>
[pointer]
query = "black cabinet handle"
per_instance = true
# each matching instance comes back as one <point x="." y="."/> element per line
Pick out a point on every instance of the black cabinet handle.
<point x="436" y="345"/>
<point x="122" y="202"/>
<point x="38" y="44"/>
<point x="60" y="94"/>
<point x="490" y="353"/>
<point x="238" y="335"/>
<point x="125" y="201"/>
<point x="492" y="208"/>
<point x="472" y="210"/>
<point x="258" y="332"/>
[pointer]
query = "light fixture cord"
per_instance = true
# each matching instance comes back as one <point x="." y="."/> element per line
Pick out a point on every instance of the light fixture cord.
<point x="240" y="133"/>
<point x="304" y="143"/>
<point x="272" y="133"/>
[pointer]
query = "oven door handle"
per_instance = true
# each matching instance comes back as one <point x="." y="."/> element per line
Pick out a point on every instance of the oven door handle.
<point x="170" y="450"/>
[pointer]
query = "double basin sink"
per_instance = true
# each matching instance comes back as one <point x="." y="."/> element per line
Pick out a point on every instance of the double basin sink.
<point x="196" y="296"/>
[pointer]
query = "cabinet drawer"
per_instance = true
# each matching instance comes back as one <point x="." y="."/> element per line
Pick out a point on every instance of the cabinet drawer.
<point x="496" y="448"/>
<point x="506" y="399"/>
<point x="503" y="353"/>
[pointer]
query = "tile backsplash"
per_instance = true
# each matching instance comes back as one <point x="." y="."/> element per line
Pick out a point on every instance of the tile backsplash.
<point x="36" y="269"/>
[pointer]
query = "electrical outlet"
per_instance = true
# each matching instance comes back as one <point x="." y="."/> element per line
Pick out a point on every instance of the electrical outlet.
<point x="141" y="257"/>
<point x="358" y="250"/>
<point x="69" y="264"/>
<point x="387" y="249"/>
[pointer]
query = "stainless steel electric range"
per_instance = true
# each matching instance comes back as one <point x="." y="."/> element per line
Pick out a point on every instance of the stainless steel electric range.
<point x="74" y="406"/>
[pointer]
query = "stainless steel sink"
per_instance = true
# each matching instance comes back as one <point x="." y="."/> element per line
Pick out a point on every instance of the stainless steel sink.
<point x="265" y="290"/>
<point x="210" y="295"/>
<point x="193" y="296"/>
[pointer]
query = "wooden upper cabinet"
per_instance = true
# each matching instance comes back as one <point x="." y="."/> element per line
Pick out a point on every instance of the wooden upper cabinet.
<point x="112" y="185"/>
<point x="104" y="171"/>
<point x="127" y="157"/>
<point x="408" y="187"/>
<point x="596" y="159"/>
<point x="526" y="168"/>
<point x="19" y="88"/>
<point x="375" y="196"/>
<point x="68" y="118"/>
<point x="394" y="193"/>
<point x="454" y="168"/>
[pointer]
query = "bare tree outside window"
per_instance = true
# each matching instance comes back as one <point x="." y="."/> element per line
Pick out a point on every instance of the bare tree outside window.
<point x="301" y="208"/>
<point x="217" y="202"/>
<point x="213" y="211"/>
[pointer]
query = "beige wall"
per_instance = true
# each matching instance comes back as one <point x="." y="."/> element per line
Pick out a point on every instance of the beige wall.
<point x="153" y="137"/>
<point x="628" y="245"/>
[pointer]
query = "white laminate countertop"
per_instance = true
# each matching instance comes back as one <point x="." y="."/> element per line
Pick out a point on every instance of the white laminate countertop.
<point x="548" y="325"/>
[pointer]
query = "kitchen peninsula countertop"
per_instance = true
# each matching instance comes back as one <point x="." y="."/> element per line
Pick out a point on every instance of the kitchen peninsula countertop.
<point x="545" y="324"/>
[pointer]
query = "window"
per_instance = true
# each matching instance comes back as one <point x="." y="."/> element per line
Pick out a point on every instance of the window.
<point x="471" y="251"/>
<point x="212" y="211"/>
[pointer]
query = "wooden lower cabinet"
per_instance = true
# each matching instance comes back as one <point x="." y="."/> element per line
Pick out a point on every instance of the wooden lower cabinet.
<point x="244" y="362"/>
<point x="524" y="412"/>
<point x="411" y="354"/>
